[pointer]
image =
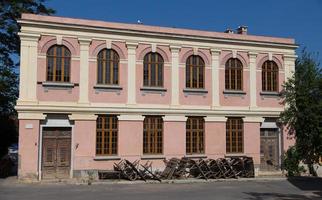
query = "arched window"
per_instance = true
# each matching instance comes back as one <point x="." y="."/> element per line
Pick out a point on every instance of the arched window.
<point x="233" y="74"/>
<point x="269" y="76"/>
<point x="153" y="70"/>
<point x="58" y="64"/>
<point x="108" y="67"/>
<point x="195" y="72"/>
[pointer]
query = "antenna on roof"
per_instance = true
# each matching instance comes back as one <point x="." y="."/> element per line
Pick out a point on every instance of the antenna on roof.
<point x="139" y="22"/>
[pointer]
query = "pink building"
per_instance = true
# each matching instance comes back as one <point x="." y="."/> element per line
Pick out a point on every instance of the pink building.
<point x="93" y="92"/>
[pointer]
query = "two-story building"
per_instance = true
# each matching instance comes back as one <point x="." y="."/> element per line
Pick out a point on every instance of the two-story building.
<point x="94" y="92"/>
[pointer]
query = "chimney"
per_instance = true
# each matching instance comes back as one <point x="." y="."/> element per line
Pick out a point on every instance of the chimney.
<point x="242" y="30"/>
<point x="229" y="30"/>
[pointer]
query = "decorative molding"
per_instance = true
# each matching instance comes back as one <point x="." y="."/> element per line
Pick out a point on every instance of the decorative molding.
<point x="174" y="118"/>
<point x="253" y="119"/>
<point x="30" y="116"/>
<point x="130" y="118"/>
<point x="270" y="56"/>
<point x="153" y="47"/>
<point x="59" y="39"/>
<point x="215" y="119"/>
<point x="234" y="53"/>
<point x="108" y="44"/>
<point x="85" y="117"/>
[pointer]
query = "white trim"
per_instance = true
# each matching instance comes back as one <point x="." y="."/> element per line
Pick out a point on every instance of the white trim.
<point x="215" y="119"/>
<point x="130" y="118"/>
<point x="252" y="79"/>
<point x="254" y="119"/>
<point x="215" y="63"/>
<point x="174" y="118"/>
<point x="131" y="72"/>
<point x="175" y="75"/>
<point x="84" y="70"/>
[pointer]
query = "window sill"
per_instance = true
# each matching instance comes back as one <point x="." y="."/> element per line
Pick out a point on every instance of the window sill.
<point x="234" y="92"/>
<point x="270" y="94"/>
<point x="192" y="91"/>
<point x="152" y="157"/>
<point x="108" y="87"/>
<point x="58" y="84"/>
<point x="153" y="90"/>
<point x="235" y="155"/>
<point x="195" y="156"/>
<point x="102" y="158"/>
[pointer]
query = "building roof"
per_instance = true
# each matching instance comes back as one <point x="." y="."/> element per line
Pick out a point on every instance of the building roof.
<point x="155" y="29"/>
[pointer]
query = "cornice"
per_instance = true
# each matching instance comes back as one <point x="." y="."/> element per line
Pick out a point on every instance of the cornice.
<point x="174" y="36"/>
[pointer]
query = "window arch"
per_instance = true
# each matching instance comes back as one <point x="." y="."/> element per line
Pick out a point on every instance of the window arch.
<point x="108" y="67"/>
<point x="195" y="72"/>
<point x="153" y="70"/>
<point x="269" y="76"/>
<point x="234" y="74"/>
<point x="58" y="64"/>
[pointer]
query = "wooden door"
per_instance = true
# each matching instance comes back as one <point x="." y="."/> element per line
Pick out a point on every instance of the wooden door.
<point x="269" y="150"/>
<point x="56" y="153"/>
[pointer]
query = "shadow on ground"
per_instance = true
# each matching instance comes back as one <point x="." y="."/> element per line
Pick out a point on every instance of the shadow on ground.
<point x="262" y="196"/>
<point x="313" y="184"/>
<point x="308" y="185"/>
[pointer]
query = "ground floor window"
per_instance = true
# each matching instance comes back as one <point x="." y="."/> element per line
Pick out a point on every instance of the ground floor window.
<point x="195" y="129"/>
<point x="234" y="135"/>
<point x="152" y="135"/>
<point x="106" y="135"/>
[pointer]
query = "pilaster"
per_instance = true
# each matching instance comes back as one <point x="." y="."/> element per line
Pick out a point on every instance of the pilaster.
<point x="175" y="75"/>
<point x="215" y="62"/>
<point x="131" y="76"/>
<point x="84" y="70"/>
<point x="28" y="67"/>
<point x="252" y="79"/>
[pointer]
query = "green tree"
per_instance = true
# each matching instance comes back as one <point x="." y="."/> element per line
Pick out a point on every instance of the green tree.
<point x="303" y="111"/>
<point x="10" y="11"/>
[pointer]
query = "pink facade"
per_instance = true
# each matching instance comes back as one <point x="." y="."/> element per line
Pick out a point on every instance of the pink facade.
<point x="131" y="102"/>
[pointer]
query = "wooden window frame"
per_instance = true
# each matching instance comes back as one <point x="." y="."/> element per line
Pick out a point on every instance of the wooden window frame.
<point x="195" y="68"/>
<point x="234" y="135"/>
<point x="106" y="135"/>
<point x="234" y="74"/>
<point x="270" y="76"/>
<point x="112" y="60"/>
<point x="56" y="64"/>
<point x="196" y="146"/>
<point x="153" y="61"/>
<point x="152" y="143"/>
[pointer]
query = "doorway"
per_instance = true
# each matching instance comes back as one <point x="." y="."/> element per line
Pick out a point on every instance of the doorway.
<point x="269" y="150"/>
<point x="56" y="152"/>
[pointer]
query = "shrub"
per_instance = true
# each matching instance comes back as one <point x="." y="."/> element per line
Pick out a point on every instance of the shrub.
<point x="291" y="162"/>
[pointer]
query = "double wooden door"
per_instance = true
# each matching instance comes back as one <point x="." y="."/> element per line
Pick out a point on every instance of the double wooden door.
<point x="56" y="153"/>
<point x="269" y="150"/>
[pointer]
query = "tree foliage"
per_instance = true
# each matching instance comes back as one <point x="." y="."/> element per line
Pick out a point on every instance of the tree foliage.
<point x="303" y="112"/>
<point x="10" y="11"/>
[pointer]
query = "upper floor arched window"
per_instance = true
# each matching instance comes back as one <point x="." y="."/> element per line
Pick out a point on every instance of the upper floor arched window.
<point x="270" y="76"/>
<point x="153" y="70"/>
<point x="58" y="64"/>
<point x="234" y="74"/>
<point x="195" y="72"/>
<point x="108" y="67"/>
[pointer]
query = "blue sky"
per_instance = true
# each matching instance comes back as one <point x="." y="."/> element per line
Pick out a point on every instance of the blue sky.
<point x="299" y="19"/>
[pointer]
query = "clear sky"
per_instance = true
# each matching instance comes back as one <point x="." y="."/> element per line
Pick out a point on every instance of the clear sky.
<point x="299" y="19"/>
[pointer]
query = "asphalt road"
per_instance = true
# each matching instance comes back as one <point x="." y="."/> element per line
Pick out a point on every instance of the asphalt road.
<point x="302" y="189"/>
